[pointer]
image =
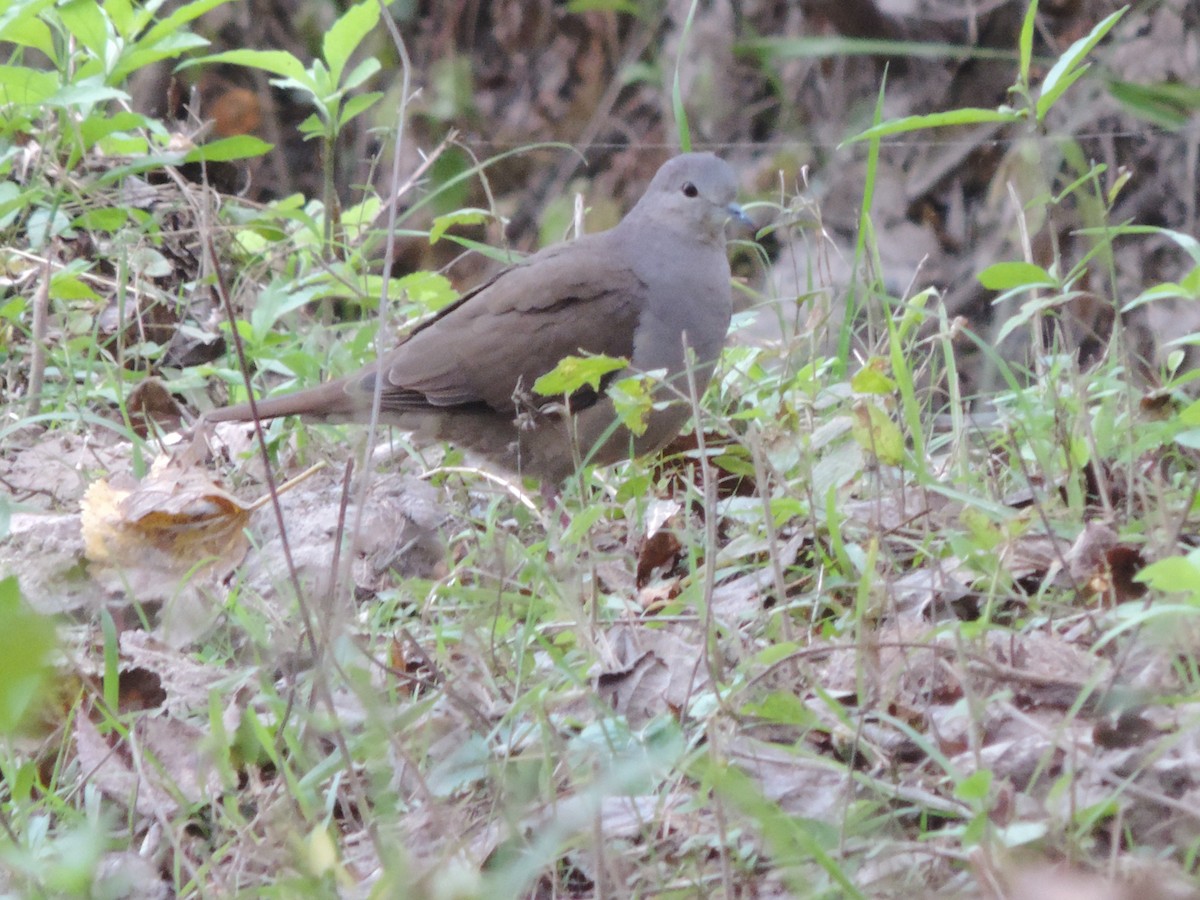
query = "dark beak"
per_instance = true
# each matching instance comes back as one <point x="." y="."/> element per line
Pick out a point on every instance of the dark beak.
<point x="737" y="214"/>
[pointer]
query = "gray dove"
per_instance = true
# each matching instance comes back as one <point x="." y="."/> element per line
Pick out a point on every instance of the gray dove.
<point x="643" y="291"/>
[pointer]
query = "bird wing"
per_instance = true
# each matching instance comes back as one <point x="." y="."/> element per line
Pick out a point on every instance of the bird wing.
<point x="571" y="299"/>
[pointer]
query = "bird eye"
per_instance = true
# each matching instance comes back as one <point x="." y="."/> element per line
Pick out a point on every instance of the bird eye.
<point x="689" y="189"/>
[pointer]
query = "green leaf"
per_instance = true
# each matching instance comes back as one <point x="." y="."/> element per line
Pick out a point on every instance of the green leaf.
<point x="12" y="198"/>
<point x="277" y="62"/>
<point x="361" y="73"/>
<point x="429" y="290"/>
<point x="102" y="218"/>
<point x="965" y="116"/>
<point x="240" y="146"/>
<point x="575" y="372"/>
<point x="782" y="707"/>
<point x="1173" y="574"/>
<point x="66" y="286"/>
<point x="277" y="299"/>
<point x="871" y="380"/>
<point x="633" y="401"/>
<point x="1030" y="309"/>
<point x="144" y="54"/>
<point x="616" y="6"/>
<point x="1167" y="291"/>
<point x="148" y="262"/>
<point x="1189" y="243"/>
<point x="180" y="17"/>
<point x="1006" y="276"/>
<point x="120" y="13"/>
<point x="87" y="23"/>
<point x="1168" y="104"/>
<point x="84" y="93"/>
<point x="1025" y="41"/>
<point x="25" y="87"/>
<point x="95" y="128"/>
<point x="11" y="311"/>
<point x="357" y="105"/>
<point x="876" y="433"/>
<point x="831" y="47"/>
<point x="20" y="25"/>
<point x="1049" y="98"/>
<point x="27" y="643"/>
<point x="581" y="524"/>
<point x="313" y="126"/>
<point x="1066" y="69"/>
<point x="460" y="217"/>
<point x="975" y="787"/>
<point x="346" y="34"/>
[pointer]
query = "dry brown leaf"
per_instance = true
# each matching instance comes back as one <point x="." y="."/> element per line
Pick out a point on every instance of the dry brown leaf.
<point x="659" y="552"/>
<point x="172" y="520"/>
<point x="661" y="671"/>
<point x="151" y="401"/>
<point x="159" y="765"/>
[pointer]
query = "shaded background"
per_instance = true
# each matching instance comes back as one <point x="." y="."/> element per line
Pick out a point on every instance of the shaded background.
<point x="775" y="87"/>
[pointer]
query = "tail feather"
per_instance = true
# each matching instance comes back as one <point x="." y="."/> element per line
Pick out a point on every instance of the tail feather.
<point x="329" y="402"/>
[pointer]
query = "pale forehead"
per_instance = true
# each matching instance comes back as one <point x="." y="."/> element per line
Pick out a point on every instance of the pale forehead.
<point x="699" y="167"/>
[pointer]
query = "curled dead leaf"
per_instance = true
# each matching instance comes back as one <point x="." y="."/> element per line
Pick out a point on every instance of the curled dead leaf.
<point x="172" y="520"/>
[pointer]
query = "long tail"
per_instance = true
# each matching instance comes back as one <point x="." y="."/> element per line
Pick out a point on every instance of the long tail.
<point x="329" y="402"/>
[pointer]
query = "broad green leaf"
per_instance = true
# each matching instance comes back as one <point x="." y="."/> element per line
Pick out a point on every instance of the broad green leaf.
<point x="277" y="62"/>
<point x="347" y="33"/>
<point x="1171" y="575"/>
<point x="460" y="217"/>
<point x="20" y="25"/>
<point x="84" y="93"/>
<point x="876" y="433"/>
<point x="357" y="105"/>
<point x="87" y="23"/>
<point x="870" y="379"/>
<point x="95" y="128"/>
<point x="17" y="12"/>
<point x="633" y="401"/>
<point x="144" y="54"/>
<point x="781" y="707"/>
<point x="240" y="146"/>
<point x="25" y="87"/>
<point x="575" y="372"/>
<point x="360" y="73"/>
<point x="102" y="218"/>
<point x="148" y="262"/>
<point x="429" y="290"/>
<point x="975" y="787"/>
<point x="66" y="286"/>
<point x="180" y="17"/>
<point x="12" y="199"/>
<point x="27" y="643"/>
<point x="1007" y="276"/>
<point x="120" y="13"/>
<point x="277" y="299"/>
